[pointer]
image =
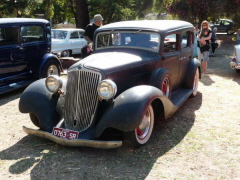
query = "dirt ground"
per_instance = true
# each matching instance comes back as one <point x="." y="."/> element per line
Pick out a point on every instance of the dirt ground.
<point x="200" y="141"/>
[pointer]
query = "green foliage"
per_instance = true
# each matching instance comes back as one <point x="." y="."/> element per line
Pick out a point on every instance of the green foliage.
<point x="16" y="8"/>
<point x="113" y="10"/>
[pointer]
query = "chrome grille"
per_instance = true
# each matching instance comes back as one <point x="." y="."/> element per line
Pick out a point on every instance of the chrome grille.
<point x="81" y="99"/>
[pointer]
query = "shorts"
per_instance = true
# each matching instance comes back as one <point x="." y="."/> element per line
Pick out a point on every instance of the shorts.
<point x="203" y="56"/>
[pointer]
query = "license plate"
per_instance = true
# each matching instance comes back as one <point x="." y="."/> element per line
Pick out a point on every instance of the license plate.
<point x="65" y="133"/>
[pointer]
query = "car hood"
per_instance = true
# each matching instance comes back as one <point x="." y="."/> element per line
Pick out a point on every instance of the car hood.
<point x="115" y="61"/>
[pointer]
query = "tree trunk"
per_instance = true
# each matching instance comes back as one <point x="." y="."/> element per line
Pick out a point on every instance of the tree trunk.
<point x="82" y="16"/>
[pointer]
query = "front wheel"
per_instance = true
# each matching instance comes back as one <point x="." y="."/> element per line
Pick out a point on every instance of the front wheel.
<point x="66" y="53"/>
<point x="34" y="119"/>
<point x="50" y="68"/>
<point x="142" y="134"/>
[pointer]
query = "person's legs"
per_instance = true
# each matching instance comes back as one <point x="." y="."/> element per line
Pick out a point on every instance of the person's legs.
<point x="213" y="49"/>
<point x="205" y="60"/>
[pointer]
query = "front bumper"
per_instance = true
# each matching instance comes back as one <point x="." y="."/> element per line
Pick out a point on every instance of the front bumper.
<point x="73" y="142"/>
<point x="234" y="65"/>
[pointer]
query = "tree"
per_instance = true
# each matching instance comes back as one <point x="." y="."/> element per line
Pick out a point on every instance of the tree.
<point x="16" y="8"/>
<point x="232" y="9"/>
<point x="196" y="10"/>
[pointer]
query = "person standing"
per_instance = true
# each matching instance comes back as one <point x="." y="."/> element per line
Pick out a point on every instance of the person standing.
<point x="91" y="28"/>
<point x="88" y="35"/>
<point x="213" y="41"/>
<point x="204" y="39"/>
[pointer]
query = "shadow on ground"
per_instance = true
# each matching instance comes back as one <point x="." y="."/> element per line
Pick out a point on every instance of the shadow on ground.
<point x="51" y="161"/>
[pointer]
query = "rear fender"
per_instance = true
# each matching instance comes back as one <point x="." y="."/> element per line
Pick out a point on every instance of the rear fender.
<point x="190" y="75"/>
<point x="127" y="110"/>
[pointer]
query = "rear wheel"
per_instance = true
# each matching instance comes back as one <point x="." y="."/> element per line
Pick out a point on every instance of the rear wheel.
<point x="161" y="79"/>
<point x="142" y="134"/>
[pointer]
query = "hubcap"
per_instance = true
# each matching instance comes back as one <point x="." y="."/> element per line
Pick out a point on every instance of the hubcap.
<point x="144" y="127"/>
<point x="165" y="86"/>
<point x="65" y="54"/>
<point x="52" y="70"/>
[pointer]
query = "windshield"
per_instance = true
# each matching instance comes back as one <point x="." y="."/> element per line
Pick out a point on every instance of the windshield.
<point x="59" y="34"/>
<point x="146" y="40"/>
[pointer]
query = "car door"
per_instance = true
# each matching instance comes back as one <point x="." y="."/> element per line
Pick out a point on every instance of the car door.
<point x="221" y="27"/>
<point x="187" y="45"/>
<point x="76" y="43"/>
<point x="12" y="59"/>
<point x="172" y="57"/>
<point x="33" y="43"/>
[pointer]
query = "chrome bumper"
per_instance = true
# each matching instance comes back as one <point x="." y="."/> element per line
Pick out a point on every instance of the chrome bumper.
<point x="73" y="142"/>
<point x="235" y="65"/>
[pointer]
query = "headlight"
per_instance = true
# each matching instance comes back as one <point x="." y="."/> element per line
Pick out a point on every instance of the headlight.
<point x="107" y="89"/>
<point x="53" y="83"/>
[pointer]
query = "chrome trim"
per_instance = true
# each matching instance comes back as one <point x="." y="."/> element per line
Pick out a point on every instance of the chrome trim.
<point x="81" y="99"/>
<point x="73" y="142"/>
<point x="235" y="65"/>
<point x="112" y="84"/>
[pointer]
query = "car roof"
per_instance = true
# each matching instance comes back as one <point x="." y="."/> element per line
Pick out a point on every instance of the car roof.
<point x="69" y="29"/>
<point x="22" y="20"/>
<point x="157" y="25"/>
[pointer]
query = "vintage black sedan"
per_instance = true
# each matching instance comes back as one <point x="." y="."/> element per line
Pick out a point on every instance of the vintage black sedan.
<point x="140" y="72"/>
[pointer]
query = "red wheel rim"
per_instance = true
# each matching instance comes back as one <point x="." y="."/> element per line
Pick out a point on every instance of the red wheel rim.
<point x="165" y="86"/>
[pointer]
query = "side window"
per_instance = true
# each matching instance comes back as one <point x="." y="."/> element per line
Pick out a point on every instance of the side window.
<point x="9" y="36"/>
<point x="32" y="33"/>
<point x="226" y="23"/>
<point x="81" y="34"/>
<point x="187" y="39"/>
<point x="74" y="35"/>
<point x="170" y="43"/>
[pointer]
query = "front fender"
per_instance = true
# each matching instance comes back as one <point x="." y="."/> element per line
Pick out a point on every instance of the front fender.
<point x="127" y="110"/>
<point x="45" y="105"/>
<point x="47" y="57"/>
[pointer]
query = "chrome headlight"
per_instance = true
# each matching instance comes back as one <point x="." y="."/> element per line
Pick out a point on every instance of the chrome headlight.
<point x="107" y="89"/>
<point x="53" y="83"/>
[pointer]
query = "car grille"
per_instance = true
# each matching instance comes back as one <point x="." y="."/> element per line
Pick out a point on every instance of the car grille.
<point x="81" y="99"/>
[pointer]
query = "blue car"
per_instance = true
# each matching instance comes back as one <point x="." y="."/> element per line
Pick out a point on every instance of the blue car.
<point x="25" y="46"/>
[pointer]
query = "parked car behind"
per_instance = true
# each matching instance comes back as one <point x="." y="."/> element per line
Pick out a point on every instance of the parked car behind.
<point x="140" y="72"/>
<point x="235" y="62"/>
<point x="67" y="41"/>
<point x="25" y="55"/>
<point x="223" y="25"/>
